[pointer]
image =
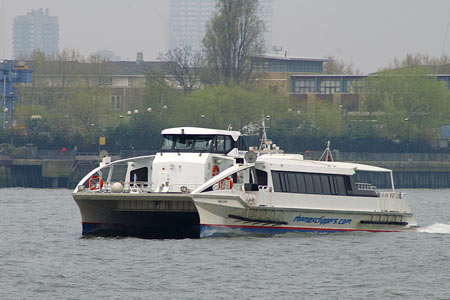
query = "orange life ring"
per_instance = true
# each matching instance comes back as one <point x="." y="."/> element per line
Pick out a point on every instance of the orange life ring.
<point x="215" y="170"/>
<point x="93" y="185"/>
<point x="226" y="184"/>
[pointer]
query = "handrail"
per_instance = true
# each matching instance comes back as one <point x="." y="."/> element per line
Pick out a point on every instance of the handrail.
<point x="98" y="169"/>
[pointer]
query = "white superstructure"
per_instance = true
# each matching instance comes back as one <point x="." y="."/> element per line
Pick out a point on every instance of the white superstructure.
<point x="283" y="192"/>
<point x="149" y="194"/>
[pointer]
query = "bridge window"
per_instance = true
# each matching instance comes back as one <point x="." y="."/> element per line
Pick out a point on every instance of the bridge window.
<point x="197" y="143"/>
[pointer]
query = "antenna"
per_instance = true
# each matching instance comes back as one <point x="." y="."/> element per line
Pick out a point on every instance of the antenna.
<point x="277" y="49"/>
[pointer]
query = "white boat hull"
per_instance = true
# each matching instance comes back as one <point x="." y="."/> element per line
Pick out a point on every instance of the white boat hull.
<point x="139" y="215"/>
<point x="229" y="215"/>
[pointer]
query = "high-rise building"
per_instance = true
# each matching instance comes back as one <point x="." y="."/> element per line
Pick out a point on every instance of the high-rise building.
<point x="187" y="23"/>
<point x="35" y="30"/>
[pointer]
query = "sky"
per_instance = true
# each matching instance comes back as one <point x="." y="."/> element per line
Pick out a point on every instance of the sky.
<point x="367" y="33"/>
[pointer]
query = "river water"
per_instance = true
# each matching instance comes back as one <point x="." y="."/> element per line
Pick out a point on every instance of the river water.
<point x="42" y="256"/>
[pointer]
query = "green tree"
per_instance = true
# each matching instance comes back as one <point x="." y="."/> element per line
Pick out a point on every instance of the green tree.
<point x="411" y="103"/>
<point x="225" y="107"/>
<point x="233" y="36"/>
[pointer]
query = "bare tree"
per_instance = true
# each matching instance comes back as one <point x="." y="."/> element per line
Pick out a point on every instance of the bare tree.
<point x="183" y="67"/>
<point x="233" y="36"/>
<point x="339" y="66"/>
<point x="418" y="59"/>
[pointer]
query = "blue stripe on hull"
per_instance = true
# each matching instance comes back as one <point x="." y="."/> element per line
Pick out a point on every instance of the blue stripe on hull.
<point x="217" y="230"/>
<point x="231" y="230"/>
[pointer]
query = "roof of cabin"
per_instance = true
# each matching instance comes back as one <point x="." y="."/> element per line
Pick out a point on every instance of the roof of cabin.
<point x="201" y="131"/>
<point x="293" y="163"/>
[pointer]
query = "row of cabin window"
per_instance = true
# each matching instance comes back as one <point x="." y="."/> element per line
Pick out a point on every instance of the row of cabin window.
<point x="310" y="183"/>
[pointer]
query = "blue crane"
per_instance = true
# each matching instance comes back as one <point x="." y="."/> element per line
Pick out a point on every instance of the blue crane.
<point x="11" y="72"/>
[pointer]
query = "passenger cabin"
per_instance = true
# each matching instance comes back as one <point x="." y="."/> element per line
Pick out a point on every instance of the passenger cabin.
<point x="289" y="173"/>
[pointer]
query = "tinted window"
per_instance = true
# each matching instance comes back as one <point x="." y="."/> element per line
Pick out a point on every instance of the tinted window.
<point x="219" y="144"/>
<point x="309" y="184"/>
<point x="325" y="184"/>
<point x="333" y="186"/>
<point x="284" y="182"/>
<point x="262" y="177"/>
<point x="317" y="184"/>
<point x="229" y="144"/>
<point x="168" y="141"/>
<point x="276" y="181"/>
<point x="203" y="143"/>
<point x="340" y="184"/>
<point x="184" y="142"/>
<point x="301" y="183"/>
<point x="292" y="182"/>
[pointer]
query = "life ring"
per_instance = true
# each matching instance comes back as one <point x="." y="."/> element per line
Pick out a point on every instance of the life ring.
<point x="215" y="170"/>
<point x="92" y="183"/>
<point x="226" y="184"/>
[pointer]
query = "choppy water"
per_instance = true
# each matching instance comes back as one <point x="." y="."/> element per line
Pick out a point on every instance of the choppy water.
<point x="42" y="256"/>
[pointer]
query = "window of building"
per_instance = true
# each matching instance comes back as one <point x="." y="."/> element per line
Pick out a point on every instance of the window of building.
<point x="330" y="86"/>
<point x="261" y="66"/>
<point x="105" y="80"/>
<point x="354" y="86"/>
<point x="303" y="86"/>
<point x="115" y="102"/>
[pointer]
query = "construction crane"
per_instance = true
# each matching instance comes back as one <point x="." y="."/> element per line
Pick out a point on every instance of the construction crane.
<point x="11" y="72"/>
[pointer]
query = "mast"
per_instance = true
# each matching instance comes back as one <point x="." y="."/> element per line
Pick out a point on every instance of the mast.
<point x="327" y="154"/>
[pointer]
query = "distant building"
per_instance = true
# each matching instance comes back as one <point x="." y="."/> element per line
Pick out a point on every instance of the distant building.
<point x="124" y="81"/>
<point x="35" y="30"/>
<point x="108" y="54"/>
<point x="187" y="22"/>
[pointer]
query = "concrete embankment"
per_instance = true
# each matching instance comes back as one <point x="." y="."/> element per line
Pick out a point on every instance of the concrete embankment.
<point x="56" y="169"/>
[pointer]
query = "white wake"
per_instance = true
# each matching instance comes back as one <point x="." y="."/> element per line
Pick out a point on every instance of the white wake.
<point x="435" y="228"/>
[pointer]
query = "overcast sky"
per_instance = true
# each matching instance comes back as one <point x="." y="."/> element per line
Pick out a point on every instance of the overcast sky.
<point x="370" y="34"/>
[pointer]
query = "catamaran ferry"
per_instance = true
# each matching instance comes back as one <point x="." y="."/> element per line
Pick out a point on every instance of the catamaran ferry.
<point x="148" y="196"/>
<point x="279" y="193"/>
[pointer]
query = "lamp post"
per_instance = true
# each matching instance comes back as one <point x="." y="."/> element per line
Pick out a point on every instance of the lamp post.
<point x="268" y="117"/>
<point x="407" y="121"/>
<point x="203" y="120"/>
<point x="121" y="117"/>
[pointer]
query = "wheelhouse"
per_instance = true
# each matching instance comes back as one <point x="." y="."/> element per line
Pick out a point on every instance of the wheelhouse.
<point x="201" y="140"/>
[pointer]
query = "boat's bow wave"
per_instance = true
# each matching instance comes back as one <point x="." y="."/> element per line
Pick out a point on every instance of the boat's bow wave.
<point x="435" y="228"/>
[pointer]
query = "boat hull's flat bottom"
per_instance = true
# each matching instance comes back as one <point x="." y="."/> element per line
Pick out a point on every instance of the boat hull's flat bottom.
<point x="147" y="225"/>
<point x="232" y="230"/>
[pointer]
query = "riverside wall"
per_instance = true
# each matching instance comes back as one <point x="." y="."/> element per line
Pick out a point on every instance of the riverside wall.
<point x="58" y="169"/>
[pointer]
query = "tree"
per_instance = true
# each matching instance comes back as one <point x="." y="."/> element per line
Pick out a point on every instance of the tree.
<point x="232" y="106"/>
<point x="339" y="66"/>
<point x="410" y="102"/>
<point x="233" y="36"/>
<point x="418" y="59"/>
<point x="183" y="67"/>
